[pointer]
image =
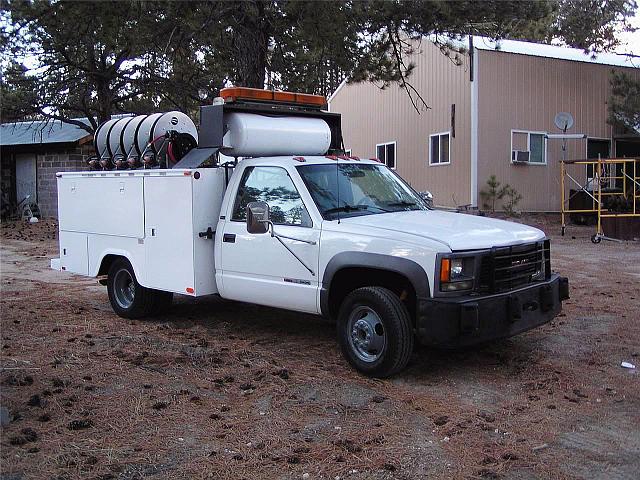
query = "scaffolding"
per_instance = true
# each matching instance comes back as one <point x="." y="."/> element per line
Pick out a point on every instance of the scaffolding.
<point x="610" y="178"/>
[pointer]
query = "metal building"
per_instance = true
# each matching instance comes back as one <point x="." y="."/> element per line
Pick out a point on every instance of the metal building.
<point x="488" y="116"/>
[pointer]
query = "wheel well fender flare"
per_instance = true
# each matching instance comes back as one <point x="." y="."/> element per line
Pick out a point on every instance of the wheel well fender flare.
<point x="403" y="266"/>
<point x="109" y="256"/>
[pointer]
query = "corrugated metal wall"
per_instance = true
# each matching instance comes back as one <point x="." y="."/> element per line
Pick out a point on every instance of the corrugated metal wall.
<point x="524" y="93"/>
<point x="372" y="116"/>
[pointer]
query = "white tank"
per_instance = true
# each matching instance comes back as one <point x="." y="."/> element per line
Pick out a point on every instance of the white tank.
<point x="144" y="135"/>
<point x="131" y="135"/>
<point x="116" y="146"/>
<point x="100" y="138"/>
<point x="158" y="124"/>
<point x="253" y="135"/>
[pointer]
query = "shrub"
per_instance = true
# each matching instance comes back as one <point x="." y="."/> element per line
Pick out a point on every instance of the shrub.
<point x="495" y="191"/>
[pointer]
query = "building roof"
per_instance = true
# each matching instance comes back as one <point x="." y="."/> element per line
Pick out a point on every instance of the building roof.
<point x="38" y="132"/>
<point x="519" y="47"/>
<point x="554" y="51"/>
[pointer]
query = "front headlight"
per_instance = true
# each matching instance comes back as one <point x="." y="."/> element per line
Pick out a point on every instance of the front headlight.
<point x="456" y="268"/>
<point x="541" y="272"/>
<point x="456" y="274"/>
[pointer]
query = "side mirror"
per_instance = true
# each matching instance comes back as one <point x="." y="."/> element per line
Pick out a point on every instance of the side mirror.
<point x="258" y="217"/>
<point x="427" y="197"/>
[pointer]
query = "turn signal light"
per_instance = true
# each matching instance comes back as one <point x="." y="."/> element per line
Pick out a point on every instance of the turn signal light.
<point x="445" y="270"/>
<point x="232" y="94"/>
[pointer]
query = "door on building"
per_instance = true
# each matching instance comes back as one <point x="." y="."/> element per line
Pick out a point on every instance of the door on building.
<point x="596" y="148"/>
<point x="26" y="177"/>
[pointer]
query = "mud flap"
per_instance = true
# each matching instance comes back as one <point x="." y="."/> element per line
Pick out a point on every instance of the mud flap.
<point x="564" y="288"/>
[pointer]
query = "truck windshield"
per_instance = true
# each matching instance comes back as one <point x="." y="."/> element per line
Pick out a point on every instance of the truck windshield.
<point x="364" y="189"/>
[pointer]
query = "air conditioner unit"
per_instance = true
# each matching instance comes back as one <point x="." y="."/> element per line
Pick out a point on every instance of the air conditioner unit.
<point x="520" y="156"/>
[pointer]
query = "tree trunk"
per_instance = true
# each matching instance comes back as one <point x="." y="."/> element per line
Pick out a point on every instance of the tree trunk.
<point x="251" y="43"/>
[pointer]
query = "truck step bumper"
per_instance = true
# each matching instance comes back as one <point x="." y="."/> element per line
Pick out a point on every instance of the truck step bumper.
<point x="460" y="322"/>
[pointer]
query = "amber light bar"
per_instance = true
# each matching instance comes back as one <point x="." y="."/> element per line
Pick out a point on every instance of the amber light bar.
<point x="232" y="94"/>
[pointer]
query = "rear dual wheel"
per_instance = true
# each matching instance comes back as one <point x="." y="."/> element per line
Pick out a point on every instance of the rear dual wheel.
<point x="375" y="331"/>
<point x="128" y="298"/>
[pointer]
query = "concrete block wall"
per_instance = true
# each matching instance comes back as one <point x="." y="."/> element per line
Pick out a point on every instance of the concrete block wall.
<point x="48" y="164"/>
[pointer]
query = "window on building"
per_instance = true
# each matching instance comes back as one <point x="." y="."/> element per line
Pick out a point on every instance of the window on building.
<point x="439" y="151"/>
<point x="387" y="153"/>
<point x="534" y="143"/>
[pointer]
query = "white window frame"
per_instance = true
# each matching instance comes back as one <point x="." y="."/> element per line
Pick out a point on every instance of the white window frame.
<point x="448" y="162"/>
<point x="395" y="153"/>
<point x="529" y="133"/>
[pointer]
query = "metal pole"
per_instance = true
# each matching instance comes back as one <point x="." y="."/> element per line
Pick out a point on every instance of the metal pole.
<point x="562" y="167"/>
<point x="599" y="231"/>
<point x="624" y="180"/>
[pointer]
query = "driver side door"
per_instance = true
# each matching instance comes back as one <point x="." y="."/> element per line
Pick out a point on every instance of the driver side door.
<point x="256" y="268"/>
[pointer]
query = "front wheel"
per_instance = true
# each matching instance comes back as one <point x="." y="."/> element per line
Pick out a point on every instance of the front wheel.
<point x="375" y="332"/>
<point x="128" y="298"/>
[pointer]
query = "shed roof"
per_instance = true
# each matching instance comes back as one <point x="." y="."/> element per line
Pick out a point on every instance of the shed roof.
<point x="519" y="47"/>
<point x="554" y="51"/>
<point x="38" y="132"/>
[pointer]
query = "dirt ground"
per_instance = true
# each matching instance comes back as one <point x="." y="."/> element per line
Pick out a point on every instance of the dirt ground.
<point x="223" y="390"/>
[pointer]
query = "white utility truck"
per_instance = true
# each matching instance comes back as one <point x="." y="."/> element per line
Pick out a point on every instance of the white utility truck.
<point x="296" y="225"/>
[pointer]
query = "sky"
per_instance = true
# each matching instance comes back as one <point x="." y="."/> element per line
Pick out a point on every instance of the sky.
<point x="631" y="41"/>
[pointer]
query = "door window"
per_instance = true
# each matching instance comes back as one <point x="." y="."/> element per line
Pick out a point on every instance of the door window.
<point x="274" y="186"/>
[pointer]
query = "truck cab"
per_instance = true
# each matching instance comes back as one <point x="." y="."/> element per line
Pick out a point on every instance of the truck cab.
<point x="324" y="234"/>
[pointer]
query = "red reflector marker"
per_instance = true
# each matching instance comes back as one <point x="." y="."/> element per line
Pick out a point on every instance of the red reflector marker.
<point x="190" y="290"/>
<point x="331" y="157"/>
<point x="300" y="159"/>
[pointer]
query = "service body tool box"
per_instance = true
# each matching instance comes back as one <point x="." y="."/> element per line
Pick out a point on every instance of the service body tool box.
<point x="152" y="217"/>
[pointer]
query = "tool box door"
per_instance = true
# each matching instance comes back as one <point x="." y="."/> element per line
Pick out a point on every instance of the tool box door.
<point x="74" y="255"/>
<point x="169" y="233"/>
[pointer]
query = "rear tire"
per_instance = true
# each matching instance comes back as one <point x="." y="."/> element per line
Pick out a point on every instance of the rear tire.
<point x="375" y="331"/>
<point x="128" y="298"/>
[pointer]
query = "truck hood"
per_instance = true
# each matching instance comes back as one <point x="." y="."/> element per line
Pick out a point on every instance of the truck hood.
<point x="456" y="230"/>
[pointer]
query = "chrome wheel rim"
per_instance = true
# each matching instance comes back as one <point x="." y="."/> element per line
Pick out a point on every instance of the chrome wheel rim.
<point x="124" y="288"/>
<point x="367" y="336"/>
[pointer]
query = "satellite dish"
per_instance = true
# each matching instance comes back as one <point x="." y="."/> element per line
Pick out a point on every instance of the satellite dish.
<point x="563" y="120"/>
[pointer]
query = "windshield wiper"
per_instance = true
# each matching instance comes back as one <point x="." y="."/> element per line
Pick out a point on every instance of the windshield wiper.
<point x="346" y="208"/>
<point x="402" y="203"/>
<point x="354" y="208"/>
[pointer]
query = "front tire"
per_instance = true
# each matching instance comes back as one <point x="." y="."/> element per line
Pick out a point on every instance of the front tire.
<point x="375" y="331"/>
<point x="128" y="298"/>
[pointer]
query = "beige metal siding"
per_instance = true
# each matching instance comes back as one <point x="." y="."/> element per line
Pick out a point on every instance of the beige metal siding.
<point x="371" y="116"/>
<point x="521" y="92"/>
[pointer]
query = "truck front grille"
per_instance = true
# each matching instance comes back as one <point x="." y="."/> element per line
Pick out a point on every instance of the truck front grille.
<point x="507" y="268"/>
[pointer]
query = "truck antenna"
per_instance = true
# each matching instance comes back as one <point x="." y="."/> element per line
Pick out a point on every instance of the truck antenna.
<point x="338" y="187"/>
